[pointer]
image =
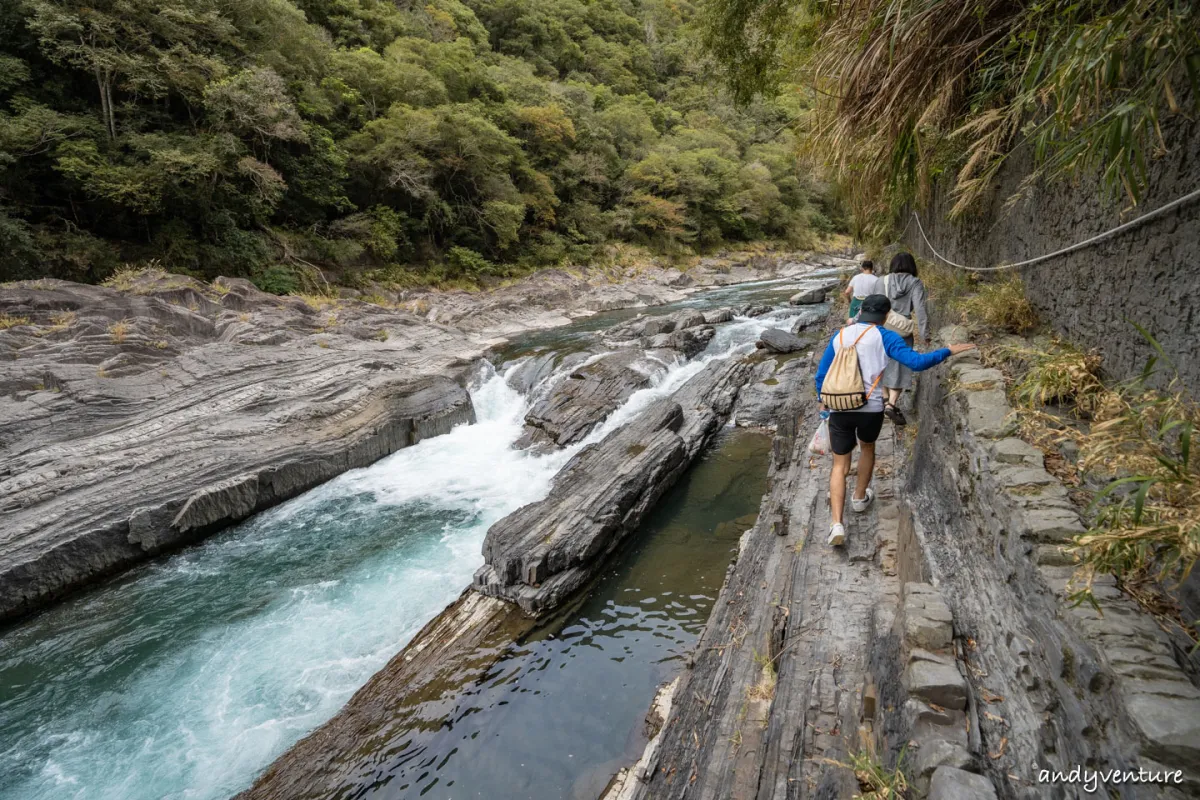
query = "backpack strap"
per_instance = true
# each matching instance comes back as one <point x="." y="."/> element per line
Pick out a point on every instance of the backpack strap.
<point x="859" y="339"/>
<point x="873" y="385"/>
<point x="877" y="377"/>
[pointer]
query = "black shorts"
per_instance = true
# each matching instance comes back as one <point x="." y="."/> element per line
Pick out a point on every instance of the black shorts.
<point x="847" y="427"/>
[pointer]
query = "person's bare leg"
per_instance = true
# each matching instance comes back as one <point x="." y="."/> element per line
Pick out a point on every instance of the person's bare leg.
<point x="894" y="396"/>
<point x="866" y="468"/>
<point x="837" y="485"/>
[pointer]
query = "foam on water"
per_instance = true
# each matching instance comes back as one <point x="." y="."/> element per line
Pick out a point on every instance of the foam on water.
<point x="188" y="676"/>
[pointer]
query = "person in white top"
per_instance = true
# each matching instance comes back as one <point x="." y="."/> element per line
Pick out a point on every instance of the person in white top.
<point x="874" y="345"/>
<point x="862" y="286"/>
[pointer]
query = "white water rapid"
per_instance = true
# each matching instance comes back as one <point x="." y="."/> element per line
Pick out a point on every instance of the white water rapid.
<point x="189" y="675"/>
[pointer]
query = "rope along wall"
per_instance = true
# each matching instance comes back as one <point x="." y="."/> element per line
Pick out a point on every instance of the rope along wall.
<point x="1158" y="212"/>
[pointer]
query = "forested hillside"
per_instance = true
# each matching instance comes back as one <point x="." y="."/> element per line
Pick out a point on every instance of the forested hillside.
<point x="375" y="139"/>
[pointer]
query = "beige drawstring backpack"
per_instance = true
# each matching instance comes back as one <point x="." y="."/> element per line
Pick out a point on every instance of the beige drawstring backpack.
<point x="843" y="386"/>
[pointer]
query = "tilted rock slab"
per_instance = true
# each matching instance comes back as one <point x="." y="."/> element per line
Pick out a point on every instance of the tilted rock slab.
<point x="590" y="393"/>
<point x="544" y="551"/>
<point x="138" y="421"/>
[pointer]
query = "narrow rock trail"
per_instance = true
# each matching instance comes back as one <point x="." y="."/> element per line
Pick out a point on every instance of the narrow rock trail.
<point x="939" y="640"/>
<point x="772" y="704"/>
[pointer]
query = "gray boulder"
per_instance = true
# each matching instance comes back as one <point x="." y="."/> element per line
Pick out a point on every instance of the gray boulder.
<point x="808" y="320"/>
<point x="763" y="398"/>
<point x="780" y="341"/>
<point x="586" y="396"/>
<point x="688" y="319"/>
<point x="949" y="783"/>
<point x="937" y="682"/>
<point x="689" y="341"/>
<point x="808" y="297"/>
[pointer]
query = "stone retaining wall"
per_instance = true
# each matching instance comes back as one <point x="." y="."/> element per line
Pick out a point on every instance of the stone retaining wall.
<point x="1149" y="275"/>
<point x="1054" y="686"/>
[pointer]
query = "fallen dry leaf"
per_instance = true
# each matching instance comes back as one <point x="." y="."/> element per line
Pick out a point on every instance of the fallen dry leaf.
<point x="1000" y="752"/>
<point x="988" y="697"/>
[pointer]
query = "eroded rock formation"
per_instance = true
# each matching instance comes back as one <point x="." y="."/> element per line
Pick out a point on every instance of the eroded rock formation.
<point x="541" y="553"/>
<point x="137" y="421"/>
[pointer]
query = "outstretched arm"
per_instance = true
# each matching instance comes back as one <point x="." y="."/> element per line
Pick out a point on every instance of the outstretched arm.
<point x="896" y="349"/>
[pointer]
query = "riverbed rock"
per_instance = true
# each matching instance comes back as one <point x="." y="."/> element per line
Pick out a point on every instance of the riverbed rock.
<point x="808" y="297"/>
<point x="647" y="327"/>
<point x="754" y="310"/>
<point x="589" y="394"/>
<point x="808" y="320"/>
<point x="142" y="419"/>
<point x="537" y="368"/>
<point x="778" y="340"/>
<point x="543" y="552"/>
<point x="949" y="783"/>
<point x="770" y="387"/>
<point x="689" y="341"/>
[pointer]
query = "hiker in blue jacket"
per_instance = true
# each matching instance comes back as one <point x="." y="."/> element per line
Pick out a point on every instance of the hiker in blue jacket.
<point x="874" y="345"/>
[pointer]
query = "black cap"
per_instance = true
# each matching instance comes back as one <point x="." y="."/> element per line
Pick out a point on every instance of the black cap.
<point x="875" y="308"/>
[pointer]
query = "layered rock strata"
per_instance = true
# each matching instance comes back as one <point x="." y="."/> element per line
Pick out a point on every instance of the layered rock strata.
<point x="939" y="641"/>
<point x="541" y="553"/>
<point x="139" y="421"/>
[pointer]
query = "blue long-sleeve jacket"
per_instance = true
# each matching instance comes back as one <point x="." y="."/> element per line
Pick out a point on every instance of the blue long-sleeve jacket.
<point x="874" y="352"/>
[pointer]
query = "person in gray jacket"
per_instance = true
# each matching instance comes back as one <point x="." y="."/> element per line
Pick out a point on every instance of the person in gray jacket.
<point x="907" y="293"/>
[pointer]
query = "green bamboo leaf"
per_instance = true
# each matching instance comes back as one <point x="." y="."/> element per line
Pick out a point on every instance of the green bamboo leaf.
<point x="1185" y="445"/>
<point x="1139" y="501"/>
<point x="1113" y="486"/>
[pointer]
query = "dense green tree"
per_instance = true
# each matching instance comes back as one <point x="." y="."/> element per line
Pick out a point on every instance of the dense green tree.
<point x="461" y="138"/>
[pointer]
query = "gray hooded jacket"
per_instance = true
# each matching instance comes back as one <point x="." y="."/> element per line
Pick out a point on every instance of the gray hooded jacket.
<point x="908" y="295"/>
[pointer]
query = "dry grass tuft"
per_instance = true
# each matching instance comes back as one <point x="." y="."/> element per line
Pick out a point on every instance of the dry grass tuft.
<point x="420" y="306"/>
<point x="1062" y="375"/>
<point x="947" y="285"/>
<point x="61" y="320"/>
<point x="319" y="302"/>
<point x="764" y="689"/>
<point x="1147" y="519"/>
<point x="128" y="276"/>
<point x="119" y="330"/>
<point x="1001" y="305"/>
<point x="875" y="780"/>
<point x="7" y="322"/>
<point x="1134" y="441"/>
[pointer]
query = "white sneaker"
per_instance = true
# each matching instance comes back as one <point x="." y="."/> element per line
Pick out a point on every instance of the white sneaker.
<point x="837" y="535"/>
<point x="860" y="506"/>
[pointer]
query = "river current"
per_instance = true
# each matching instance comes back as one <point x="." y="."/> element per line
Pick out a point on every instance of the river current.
<point x="186" y="676"/>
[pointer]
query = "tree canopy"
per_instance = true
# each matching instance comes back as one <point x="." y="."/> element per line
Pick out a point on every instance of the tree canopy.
<point x="369" y="138"/>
